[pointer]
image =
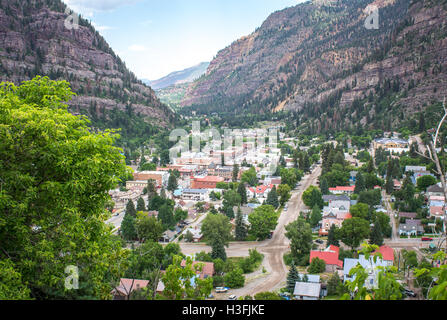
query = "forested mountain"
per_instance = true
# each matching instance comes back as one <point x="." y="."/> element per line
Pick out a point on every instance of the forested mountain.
<point x="34" y="40"/>
<point x="179" y="77"/>
<point x="319" y="60"/>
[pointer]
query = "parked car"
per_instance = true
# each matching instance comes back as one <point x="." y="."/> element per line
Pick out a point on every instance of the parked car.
<point x="319" y="241"/>
<point x="408" y="292"/>
<point x="232" y="297"/>
<point x="221" y="289"/>
<point x="426" y="239"/>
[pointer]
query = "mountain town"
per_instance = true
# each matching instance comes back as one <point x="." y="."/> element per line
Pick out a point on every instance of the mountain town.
<point x="306" y="161"/>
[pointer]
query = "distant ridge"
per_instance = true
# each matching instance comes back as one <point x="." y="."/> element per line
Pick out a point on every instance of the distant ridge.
<point x="179" y="77"/>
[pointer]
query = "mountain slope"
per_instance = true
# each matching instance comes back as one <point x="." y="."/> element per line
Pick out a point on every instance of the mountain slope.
<point x="179" y="77"/>
<point x="321" y="61"/>
<point x="35" y="41"/>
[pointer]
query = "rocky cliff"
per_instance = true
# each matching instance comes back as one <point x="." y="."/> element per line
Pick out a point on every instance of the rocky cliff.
<point x="319" y="59"/>
<point x="34" y="40"/>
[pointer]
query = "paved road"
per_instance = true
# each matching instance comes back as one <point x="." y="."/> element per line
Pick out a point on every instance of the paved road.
<point x="273" y="249"/>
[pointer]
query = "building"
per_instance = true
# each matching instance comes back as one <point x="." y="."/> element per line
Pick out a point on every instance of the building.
<point x="126" y="287"/>
<point x="394" y="145"/>
<point x="369" y="265"/>
<point x="136" y="184"/>
<point x="435" y="190"/>
<point x="332" y="218"/>
<point x="208" y="182"/>
<point x="411" y="228"/>
<point x="329" y="256"/>
<point x="207" y="268"/>
<point x="415" y="168"/>
<point x="342" y="190"/>
<point x="307" y="291"/>
<point x="408" y="215"/>
<point x="352" y="177"/>
<point x="437" y="212"/>
<point x="260" y="191"/>
<point x="194" y="194"/>
<point x="161" y="177"/>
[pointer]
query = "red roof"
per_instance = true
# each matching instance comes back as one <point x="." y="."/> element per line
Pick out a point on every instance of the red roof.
<point x="330" y="256"/>
<point x="127" y="286"/>
<point x="261" y="189"/>
<point x="210" y="179"/>
<point x="208" y="268"/>
<point x="341" y="188"/>
<point x="387" y="253"/>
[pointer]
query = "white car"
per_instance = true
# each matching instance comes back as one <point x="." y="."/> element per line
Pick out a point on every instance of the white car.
<point x="221" y="290"/>
<point x="232" y="297"/>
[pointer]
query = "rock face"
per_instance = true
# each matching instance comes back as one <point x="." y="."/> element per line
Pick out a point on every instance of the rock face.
<point x="34" y="40"/>
<point x="319" y="58"/>
<point x="179" y="77"/>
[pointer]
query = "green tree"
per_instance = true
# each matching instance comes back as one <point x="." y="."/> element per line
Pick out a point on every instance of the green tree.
<point x="151" y="189"/>
<point x="263" y="221"/>
<point x="333" y="284"/>
<point x="317" y="266"/>
<point x="218" y="249"/>
<point x="241" y="228"/>
<point x="148" y="228"/>
<point x="235" y="172"/>
<point x="360" y="210"/>
<point x="354" y="231"/>
<point x="141" y="206"/>
<point x="242" y="191"/>
<point x="272" y="198"/>
<point x="315" y="216"/>
<point x="235" y="278"/>
<point x="172" y="183"/>
<point x="425" y="181"/>
<point x="11" y="284"/>
<point x="332" y="238"/>
<point x="284" y="193"/>
<point x="216" y="226"/>
<point x="54" y="181"/>
<point x="376" y="236"/>
<point x="178" y="284"/>
<point x="250" y="177"/>
<point x="360" y="183"/>
<point x="312" y="196"/>
<point x="128" y="231"/>
<point x="324" y="186"/>
<point x="300" y="234"/>
<point x="292" y="278"/>
<point x="130" y="209"/>
<point x="166" y="215"/>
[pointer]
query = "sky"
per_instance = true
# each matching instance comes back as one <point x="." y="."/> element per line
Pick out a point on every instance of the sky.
<point x="157" y="37"/>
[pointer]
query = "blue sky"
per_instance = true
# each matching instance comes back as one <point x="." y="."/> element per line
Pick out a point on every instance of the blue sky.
<point x="156" y="37"/>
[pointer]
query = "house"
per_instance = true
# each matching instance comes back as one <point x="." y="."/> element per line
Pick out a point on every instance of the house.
<point x="329" y="256"/>
<point x="330" y="198"/>
<point x="314" y="278"/>
<point x="396" y="184"/>
<point x="333" y="218"/>
<point x="369" y="265"/>
<point x="435" y="190"/>
<point x="207" y="268"/>
<point x="411" y="228"/>
<point x="126" y="287"/>
<point x="394" y="145"/>
<point x="437" y="212"/>
<point x="260" y="191"/>
<point x="307" y="291"/>
<point x="342" y="190"/>
<point x="194" y="194"/>
<point x="168" y="236"/>
<point x="408" y="215"/>
<point x="196" y="234"/>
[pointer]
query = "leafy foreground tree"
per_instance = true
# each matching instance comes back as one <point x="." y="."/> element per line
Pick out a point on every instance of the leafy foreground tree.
<point x="436" y="276"/>
<point x="55" y="176"/>
<point x="178" y="284"/>
<point x="387" y="287"/>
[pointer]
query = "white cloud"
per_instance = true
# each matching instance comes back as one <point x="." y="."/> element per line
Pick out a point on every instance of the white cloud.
<point x="102" y="28"/>
<point x="137" y="48"/>
<point x="88" y="6"/>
